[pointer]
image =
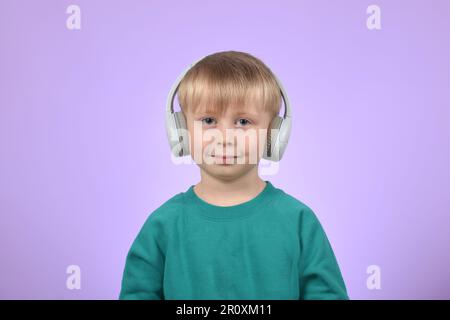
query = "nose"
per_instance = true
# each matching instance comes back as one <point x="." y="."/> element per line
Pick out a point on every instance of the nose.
<point x="224" y="141"/>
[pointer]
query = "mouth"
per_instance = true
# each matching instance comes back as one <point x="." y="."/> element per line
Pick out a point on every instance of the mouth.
<point x="225" y="160"/>
<point x="225" y="157"/>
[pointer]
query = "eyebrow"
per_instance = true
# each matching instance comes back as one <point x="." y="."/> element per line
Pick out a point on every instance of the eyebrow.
<point x="245" y="113"/>
<point x="240" y="113"/>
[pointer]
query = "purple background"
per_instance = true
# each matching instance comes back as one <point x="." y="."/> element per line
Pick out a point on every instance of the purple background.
<point x="85" y="159"/>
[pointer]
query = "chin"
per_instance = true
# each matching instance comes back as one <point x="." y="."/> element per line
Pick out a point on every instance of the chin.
<point x="227" y="172"/>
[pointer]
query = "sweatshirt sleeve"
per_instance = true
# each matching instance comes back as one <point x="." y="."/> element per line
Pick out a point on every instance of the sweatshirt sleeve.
<point x="320" y="276"/>
<point x="143" y="273"/>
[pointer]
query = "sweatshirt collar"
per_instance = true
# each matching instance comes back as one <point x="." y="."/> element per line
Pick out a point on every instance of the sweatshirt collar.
<point x="214" y="212"/>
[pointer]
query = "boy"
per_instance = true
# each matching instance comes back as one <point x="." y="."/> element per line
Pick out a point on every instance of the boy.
<point x="233" y="235"/>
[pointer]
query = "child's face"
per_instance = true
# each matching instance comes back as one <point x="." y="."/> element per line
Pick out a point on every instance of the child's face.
<point x="228" y="146"/>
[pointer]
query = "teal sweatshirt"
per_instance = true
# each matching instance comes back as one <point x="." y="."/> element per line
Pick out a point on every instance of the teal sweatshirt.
<point x="270" y="247"/>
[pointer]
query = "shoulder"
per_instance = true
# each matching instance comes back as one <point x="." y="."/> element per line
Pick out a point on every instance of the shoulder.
<point x="286" y="200"/>
<point x="166" y="212"/>
<point x="294" y="207"/>
<point x="309" y="227"/>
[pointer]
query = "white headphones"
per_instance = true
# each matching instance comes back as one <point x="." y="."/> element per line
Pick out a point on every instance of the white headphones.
<point x="178" y="136"/>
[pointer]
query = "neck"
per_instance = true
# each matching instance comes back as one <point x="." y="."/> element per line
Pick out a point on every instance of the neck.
<point x="229" y="192"/>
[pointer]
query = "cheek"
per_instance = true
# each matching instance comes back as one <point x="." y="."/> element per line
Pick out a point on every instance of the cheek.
<point x="197" y="143"/>
<point x="249" y="142"/>
<point x="255" y="142"/>
<point x="200" y="146"/>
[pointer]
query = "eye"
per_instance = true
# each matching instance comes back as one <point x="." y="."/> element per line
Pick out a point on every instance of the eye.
<point x="243" y="122"/>
<point x="207" y="120"/>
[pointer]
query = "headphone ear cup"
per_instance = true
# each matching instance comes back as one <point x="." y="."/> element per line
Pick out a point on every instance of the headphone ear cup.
<point x="271" y="146"/>
<point x="177" y="134"/>
<point x="183" y="134"/>
<point x="172" y="134"/>
<point x="283" y="137"/>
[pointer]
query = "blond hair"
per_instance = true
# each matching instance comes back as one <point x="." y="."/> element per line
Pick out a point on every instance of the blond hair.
<point x="229" y="79"/>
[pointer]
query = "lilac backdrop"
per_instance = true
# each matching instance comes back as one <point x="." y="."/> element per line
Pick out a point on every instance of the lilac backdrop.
<point x="84" y="157"/>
